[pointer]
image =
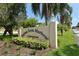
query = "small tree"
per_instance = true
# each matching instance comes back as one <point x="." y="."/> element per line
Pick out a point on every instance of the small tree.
<point x="64" y="27"/>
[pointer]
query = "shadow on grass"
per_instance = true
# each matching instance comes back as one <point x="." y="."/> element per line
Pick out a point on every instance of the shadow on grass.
<point x="69" y="50"/>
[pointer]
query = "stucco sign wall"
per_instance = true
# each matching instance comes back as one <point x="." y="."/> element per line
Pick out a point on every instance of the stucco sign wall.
<point x="37" y="32"/>
<point x="45" y="32"/>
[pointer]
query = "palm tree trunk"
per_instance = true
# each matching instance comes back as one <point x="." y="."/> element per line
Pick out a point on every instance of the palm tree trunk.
<point x="61" y="21"/>
<point x="46" y="20"/>
<point x="61" y="32"/>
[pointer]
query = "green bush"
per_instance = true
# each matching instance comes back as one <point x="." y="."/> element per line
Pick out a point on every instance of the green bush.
<point x="33" y="52"/>
<point x="31" y="22"/>
<point x="64" y="27"/>
<point x="31" y="43"/>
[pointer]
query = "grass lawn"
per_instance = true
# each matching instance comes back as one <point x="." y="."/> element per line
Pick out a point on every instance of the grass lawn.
<point x="66" y="46"/>
<point x="67" y="39"/>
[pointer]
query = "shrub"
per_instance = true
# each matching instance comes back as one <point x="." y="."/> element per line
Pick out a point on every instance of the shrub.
<point x="64" y="27"/>
<point x="31" y="22"/>
<point x="31" y="43"/>
<point x="33" y="52"/>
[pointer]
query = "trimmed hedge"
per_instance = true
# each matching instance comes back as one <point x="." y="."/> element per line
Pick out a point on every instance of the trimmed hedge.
<point x="31" y="43"/>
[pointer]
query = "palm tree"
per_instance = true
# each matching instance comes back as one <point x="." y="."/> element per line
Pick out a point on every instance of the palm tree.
<point x="68" y="20"/>
<point x="47" y="10"/>
<point x="65" y="14"/>
<point x="53" y="8"/>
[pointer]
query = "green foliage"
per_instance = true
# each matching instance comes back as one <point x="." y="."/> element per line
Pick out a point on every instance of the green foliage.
<point x="5" y="53"/>
<point x="67" y="39"/>
<point x="72" y="50"/>
<point x="51" y="8"/>
<point x="67" y="45"/>
<point x="12" y="12"/>
<point x="68" y="20"/>
<point x="31" y="22"/>
<point x="59" y="27"/>
<point x="63" y="26"/>
<point x="41" y="24"/>
<point x="47" y="10"/>
<point x="33" y="52"/>
<point x="31" y="43"/>
<point x="18" y="47"/>
<point x="7" y="38"/>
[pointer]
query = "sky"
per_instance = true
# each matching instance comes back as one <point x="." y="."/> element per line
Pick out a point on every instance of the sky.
<point x="31" y="14"/>
<point x="75" y="13"/>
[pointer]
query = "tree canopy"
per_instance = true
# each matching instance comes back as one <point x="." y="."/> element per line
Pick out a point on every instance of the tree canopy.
<point x="9" y="14"/>
<point x="63" y="9"/>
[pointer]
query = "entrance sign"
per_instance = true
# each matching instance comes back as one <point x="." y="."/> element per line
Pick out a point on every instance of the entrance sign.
<point x="36" y="32"/>
<point x="44" y="32"/>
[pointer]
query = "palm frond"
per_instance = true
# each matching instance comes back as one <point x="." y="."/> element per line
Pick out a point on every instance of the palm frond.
<point x="36" y="8"/>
